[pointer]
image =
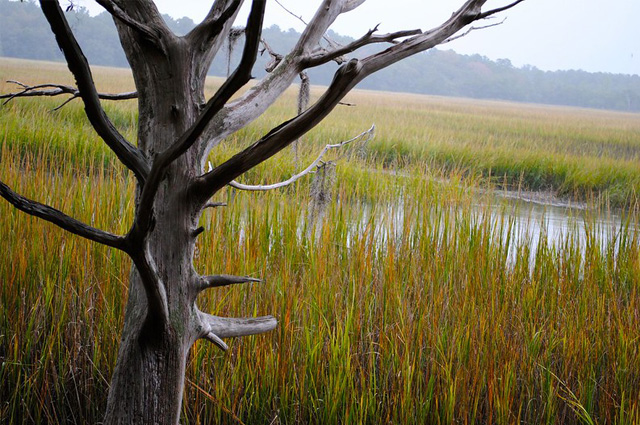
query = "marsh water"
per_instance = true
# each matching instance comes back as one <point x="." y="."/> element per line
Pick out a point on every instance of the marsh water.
<point x="514" y="220"/>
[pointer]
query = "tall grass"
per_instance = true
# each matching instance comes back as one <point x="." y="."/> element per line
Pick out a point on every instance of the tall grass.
<point x="403" y="302"/>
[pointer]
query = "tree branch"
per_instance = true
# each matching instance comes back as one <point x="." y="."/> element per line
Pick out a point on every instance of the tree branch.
<point x="61" y="220"/>
<point x="214" y="328"/>
<point x="345" y="79"/>
<point x="471" y="29"/>
<point x="316" y="59"/>
<point x="220" y="280"/>
<point x="57" y="90"/>
<point x="470" y="12"/>
<point x="130" y="156"/>
<point x="366" y="136"/>
<point x="498" y="10"/>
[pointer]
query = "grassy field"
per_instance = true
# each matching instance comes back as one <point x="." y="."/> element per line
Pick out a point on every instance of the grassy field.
<point x="399" y="303"/>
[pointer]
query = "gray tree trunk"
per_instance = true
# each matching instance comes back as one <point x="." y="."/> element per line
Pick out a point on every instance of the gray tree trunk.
<point x="148" y="381"/>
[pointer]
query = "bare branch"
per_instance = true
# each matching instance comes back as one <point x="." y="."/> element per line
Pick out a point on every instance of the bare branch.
<point x="365" y="136"/>
<point x="208" y="36"/>
<point x="214" y="205"/>
<point x="498" y="10"/>
<point x="226" y="327"/>
<point x="301" y="19"/>
<point x="246" y="109"/>
<point x="345" y="79"/>
<point x="469" y="30"/>
<point x="235" y="82"/>
<point x="276" y="58"/>
<point x="50" y="90"/>
<point x="220" y="280"/>
<point x="470" y="12"/>
<point x="323" y="57"/>
<point x="216" y="340"/>
<point x="130" y="156"/>
<point x="61" y="220"/>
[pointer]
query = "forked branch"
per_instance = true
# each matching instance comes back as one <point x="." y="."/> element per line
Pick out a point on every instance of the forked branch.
<point x="51" y="90"/>
<point x="215" y="328"/>
<point x="324" y="56"/>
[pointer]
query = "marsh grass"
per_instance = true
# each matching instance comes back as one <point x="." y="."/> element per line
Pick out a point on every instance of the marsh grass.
<point x="401" y="303"/>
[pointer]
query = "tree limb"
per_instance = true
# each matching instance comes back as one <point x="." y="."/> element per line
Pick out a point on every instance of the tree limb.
<point x="220" y="280"/>
<point x="366" y="136"/>
<point x="61" y="220"/>
<point x="57" y="90"/>
<point x="498" y="10"/>
<point x="130" y="156"/>
<point x="345" y="79"/>
<point x="214" y="328"/>
<point x="319" y="58"/>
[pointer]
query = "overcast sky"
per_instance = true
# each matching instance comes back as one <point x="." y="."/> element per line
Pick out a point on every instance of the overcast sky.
<point x="593" y="35"/>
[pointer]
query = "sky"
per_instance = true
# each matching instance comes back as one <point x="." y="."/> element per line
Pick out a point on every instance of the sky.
<point x="592" y="35"/>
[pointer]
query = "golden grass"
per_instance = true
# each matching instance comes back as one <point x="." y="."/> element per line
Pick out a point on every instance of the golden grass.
<point x="400" y="304"/>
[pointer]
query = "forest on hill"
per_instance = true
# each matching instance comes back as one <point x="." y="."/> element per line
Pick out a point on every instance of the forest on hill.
<point x="24" y="33"/>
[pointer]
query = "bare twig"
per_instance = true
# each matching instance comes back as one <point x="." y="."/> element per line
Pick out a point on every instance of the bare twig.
<point x="319" y="58"/>
<point x="220" y="280"/>
<point x="298" y="17"/>
<point x="365" y="137"/>
<point x="464" y="34"/>
<point x="50" y="90"/>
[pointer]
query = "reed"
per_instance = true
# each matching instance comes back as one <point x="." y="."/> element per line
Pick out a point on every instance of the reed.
<point x="408" y="299"/>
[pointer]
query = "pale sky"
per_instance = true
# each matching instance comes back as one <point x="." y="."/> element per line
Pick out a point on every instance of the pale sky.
<point x="592" y="35"/>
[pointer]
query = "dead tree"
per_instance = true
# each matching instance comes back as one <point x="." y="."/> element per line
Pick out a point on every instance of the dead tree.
<point x="177" y="129"/>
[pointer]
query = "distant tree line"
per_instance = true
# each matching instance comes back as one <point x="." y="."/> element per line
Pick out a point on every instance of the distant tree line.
<point x="24" y="33"/>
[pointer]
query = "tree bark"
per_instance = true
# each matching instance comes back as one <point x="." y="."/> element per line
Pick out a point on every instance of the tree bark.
<point x="148" y="380"/>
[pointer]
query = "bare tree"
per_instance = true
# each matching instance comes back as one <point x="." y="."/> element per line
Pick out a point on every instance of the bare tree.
<point x="178" y="128"/>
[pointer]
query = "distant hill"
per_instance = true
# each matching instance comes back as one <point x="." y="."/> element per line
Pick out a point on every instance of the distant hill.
<point x="24" y="33"/>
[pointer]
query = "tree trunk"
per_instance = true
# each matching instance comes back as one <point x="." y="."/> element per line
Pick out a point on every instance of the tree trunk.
<point x="148" y="380"/>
